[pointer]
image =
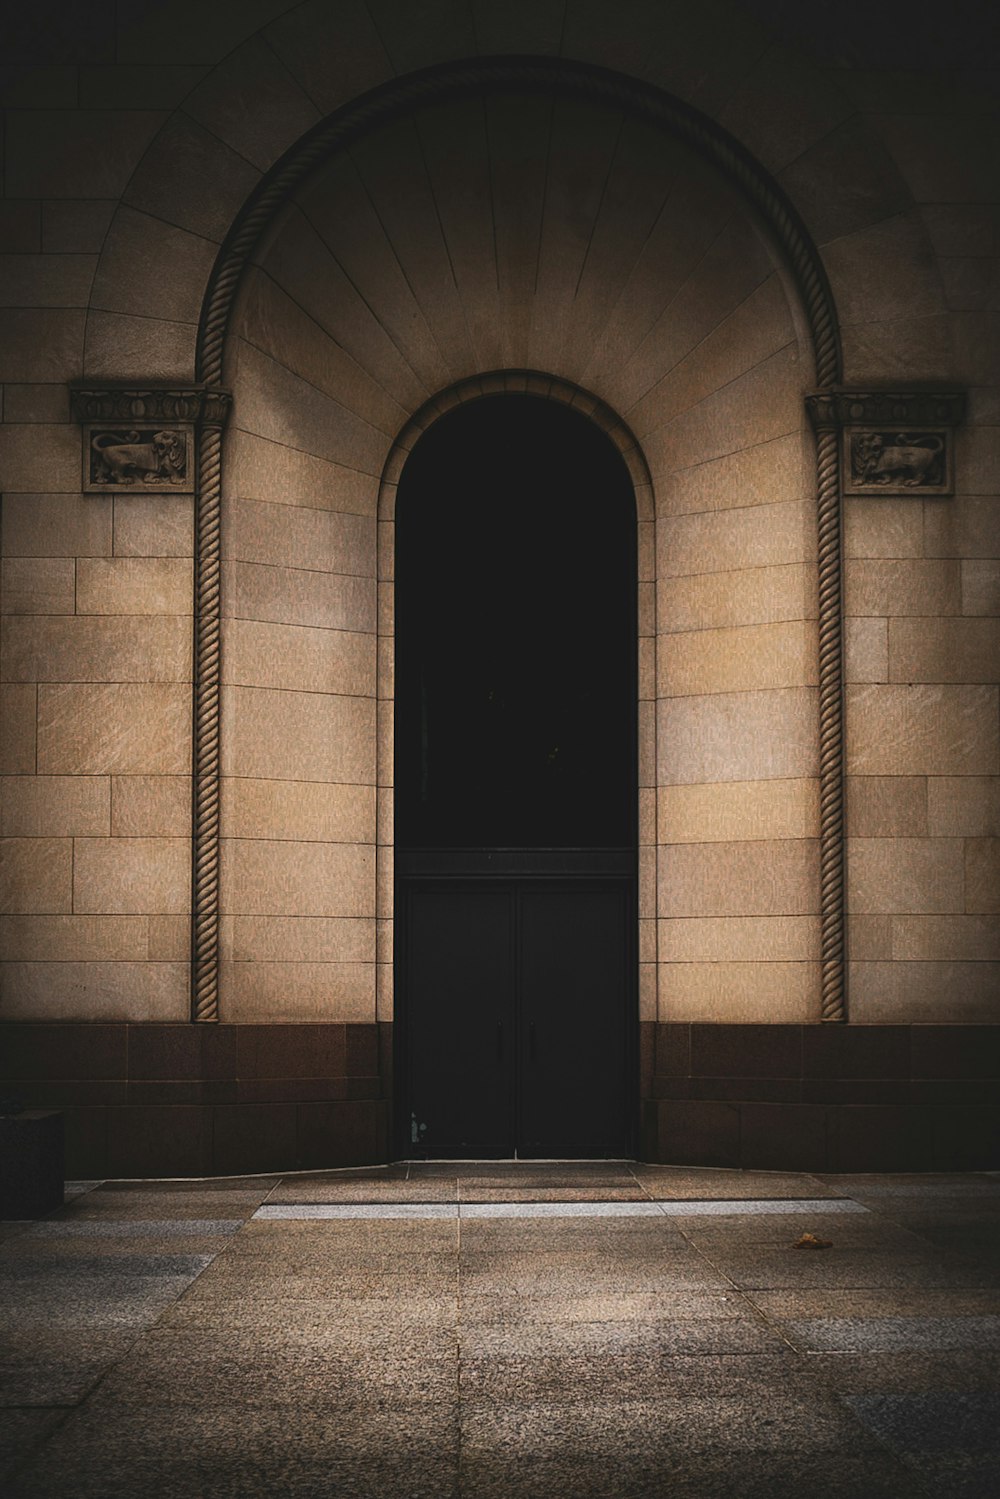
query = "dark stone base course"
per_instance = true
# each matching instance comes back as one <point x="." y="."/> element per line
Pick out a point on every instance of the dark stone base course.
<point x="214" y="1100"/>
<point x="823" y="1097"/>
<point x="32" y="1163"/>
<point x="206" y="1100"/>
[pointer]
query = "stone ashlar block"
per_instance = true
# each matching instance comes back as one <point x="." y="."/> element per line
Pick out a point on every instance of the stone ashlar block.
<point x="132" y="876"/>
<point x="18" y="708"/>
<point x="56" y="525"/>
<point x="148" y="527"/>
<point x="769" y="877"/>
<point x="67" y="938"/>
<point x="55" y="806"/>
<point x="122" y="347"/>
<point x="150" y="806"/>
<point x="717" y="939"/>
<point x="737" y="736"/>
<point x="922" y="730"/>
<point x="731" y="540"/>
<point x="901" y="586"/>
<point x="303" y="811"/>
<point x="298" y="992"/>
<point x="737" y="660"/>
<point x="887" y="807"/>
<point x="739" y="993"/>
<point x="756" y="475"/>
<point x="134" y="585"/>
<point x="982" y="875"/>
<point x="971" y="938"/>
<point x="296" y="596"/>
<point x="737" y="810"/>
<point x="81" y="648"/>
<point x="944" y="650"/>
<point x="47" y="991"/>
<point x="304" y="736"/>
<point x="866" y="650"/>
<point x="905" y="874"/>
<point x="717" y="600"/>
<point x="259" y="468"/>
<point x="119" y="728"/>
<point x="303" y="939"/>
<point x="883" y="528"/>
<point x="40" y="345"/>
<point x="963" y="806"/>
<point x="981" y="586"/>
<point x="297" y="879"/>
<point x="921" y="993"/>
<point x="297" y="658"/>
<point x="36" y="875"/>
<point x="291" y="535"/>
<point x="38" y="585"/>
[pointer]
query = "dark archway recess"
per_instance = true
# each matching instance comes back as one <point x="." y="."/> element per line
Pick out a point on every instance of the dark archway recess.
<point x="516" y="785"/>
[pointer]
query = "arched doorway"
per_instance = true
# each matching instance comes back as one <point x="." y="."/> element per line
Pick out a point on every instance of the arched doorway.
<point x="516" y="785"/>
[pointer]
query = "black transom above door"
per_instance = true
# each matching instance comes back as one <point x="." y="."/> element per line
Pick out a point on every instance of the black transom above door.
<point x="515" y="785"/>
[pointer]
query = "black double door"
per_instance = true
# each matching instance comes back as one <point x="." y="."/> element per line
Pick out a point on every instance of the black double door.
<point x="515" y="787"/>
<point x="518" y="998"/>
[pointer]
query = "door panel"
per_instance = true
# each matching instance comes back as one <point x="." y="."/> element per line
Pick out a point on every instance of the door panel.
<point x="573" y="1004"/>
<point x="517" y="995"/>
<point x="460" y="1021"/>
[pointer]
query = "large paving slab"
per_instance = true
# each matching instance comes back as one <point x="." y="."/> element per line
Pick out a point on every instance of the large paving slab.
<point x="582" y="1330"/>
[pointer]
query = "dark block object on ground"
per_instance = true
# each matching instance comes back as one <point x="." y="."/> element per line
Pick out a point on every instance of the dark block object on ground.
<point x="32" y="1151"/>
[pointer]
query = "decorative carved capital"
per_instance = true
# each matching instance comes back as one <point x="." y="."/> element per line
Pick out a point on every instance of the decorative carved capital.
<point x="199" y="405"/>
<point x="141" y="437"/>
<point x="890" y="408"/>
<point x="893" y="442"/>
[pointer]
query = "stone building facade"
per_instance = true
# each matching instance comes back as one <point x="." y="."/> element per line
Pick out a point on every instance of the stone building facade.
<point x="253" y="253"/>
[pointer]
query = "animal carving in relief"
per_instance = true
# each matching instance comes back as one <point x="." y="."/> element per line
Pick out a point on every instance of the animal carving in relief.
<point x="907" y="462"/>
<point x="122" y="458"/>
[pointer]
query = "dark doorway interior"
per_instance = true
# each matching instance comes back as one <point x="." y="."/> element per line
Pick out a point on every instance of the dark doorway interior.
<point x="515" y="772"/>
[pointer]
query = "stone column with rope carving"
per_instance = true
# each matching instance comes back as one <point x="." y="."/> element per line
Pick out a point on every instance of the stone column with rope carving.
<point x="207" y="681"/>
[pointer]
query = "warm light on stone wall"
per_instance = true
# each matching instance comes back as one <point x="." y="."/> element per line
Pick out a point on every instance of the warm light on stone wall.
<point x="484" y="234"/>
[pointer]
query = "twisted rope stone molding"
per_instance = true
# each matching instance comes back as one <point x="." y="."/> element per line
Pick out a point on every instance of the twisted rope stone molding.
<point x="205" y="851"/>
<point x="452" y="81"/>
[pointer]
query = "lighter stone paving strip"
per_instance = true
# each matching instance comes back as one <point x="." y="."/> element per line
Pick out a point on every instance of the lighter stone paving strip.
<point x="686" y="1209"/>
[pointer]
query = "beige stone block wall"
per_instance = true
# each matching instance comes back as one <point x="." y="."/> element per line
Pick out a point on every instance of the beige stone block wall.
<point x="300" y="673"/>
<point x="435" y="253"/>
<point x="923" y="795"/>
<point x="95" y="621"/>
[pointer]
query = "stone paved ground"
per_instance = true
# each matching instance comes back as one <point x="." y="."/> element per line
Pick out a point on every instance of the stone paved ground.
<point x="506" y="1330"/>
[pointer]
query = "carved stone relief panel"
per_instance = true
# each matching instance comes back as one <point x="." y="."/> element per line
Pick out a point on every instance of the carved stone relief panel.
<point x="884" y="461"/>
<point x="894" y="442"/>
<point x="138" y="458"/>
<point x="141" y="439"/>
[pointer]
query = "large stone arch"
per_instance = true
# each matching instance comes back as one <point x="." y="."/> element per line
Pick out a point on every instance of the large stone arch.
<point x="750" y="328"/>
<point x="835" y="159"/>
